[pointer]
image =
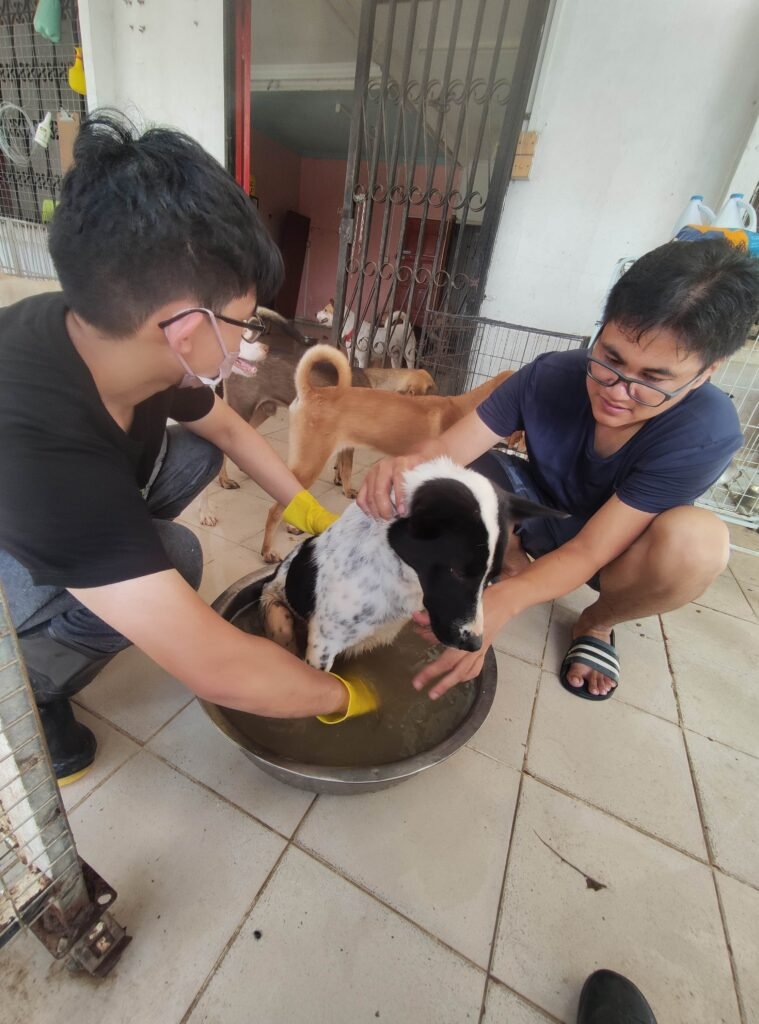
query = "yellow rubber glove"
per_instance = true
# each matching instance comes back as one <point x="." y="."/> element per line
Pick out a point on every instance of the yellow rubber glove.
<point x="305" y="513"/>
<point x="361" y="700"/>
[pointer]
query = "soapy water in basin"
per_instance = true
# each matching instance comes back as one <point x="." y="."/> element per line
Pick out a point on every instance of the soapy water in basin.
<point x="406" y="723"/>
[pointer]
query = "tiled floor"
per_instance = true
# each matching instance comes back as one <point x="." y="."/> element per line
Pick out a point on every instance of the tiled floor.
<point x="565" y="837"/>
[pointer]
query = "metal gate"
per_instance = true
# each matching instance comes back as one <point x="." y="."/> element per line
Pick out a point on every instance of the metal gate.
<point x="33" y="82"/>
<point x="440" y="97"/>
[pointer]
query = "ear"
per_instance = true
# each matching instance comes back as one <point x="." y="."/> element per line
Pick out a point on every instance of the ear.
<point x="712" y="369"/>
<point x="180" y="334"/>
<point x="405" y="544"/>
<point x="513" y="508"/>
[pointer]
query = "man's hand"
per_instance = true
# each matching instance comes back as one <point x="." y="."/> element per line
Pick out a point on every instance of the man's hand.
<point x="384" y="476"/>
<point x="455" y="666"/>
<point x="452" y="667"/>
<point x="306" y="514"/>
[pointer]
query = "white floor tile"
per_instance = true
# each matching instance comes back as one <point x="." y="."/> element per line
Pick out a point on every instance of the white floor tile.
<point x="741" y="905"/>
<point x="728" y="783"/>
<point x="719" y="702"/>
<point x="504" y="732"/>
<point x="193" y="743"/>
<point x="620" y="759"/>
<point x="503" y="1007"/>
<point x="186" y="867"/>
<point x="113" y="750"/>
<point x="433" y="847"/>
<point x="317" y="950"/>
<point x="227" y="568"/>
<point x="655" y="919"/>
<point x="239" y="514"/>
<point x="135" y="694"/>
<point x="725" y="595"/>
<point x="712" y="638"/>
<point x="525" y="636"/>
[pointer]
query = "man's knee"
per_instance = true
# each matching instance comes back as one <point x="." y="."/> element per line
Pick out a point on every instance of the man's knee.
<point x="197" y="451"/>
<point x="183" y="549"/>
<point x="690" y="539"/>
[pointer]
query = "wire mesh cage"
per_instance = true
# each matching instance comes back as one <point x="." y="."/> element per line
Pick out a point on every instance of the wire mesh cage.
<point x="44" y="885"/>
<point x="735" y="496"/>
<point x="33" y="83"/>
<point x="461" y="352"/>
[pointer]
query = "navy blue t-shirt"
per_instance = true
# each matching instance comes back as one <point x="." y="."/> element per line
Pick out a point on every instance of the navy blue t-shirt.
<point x="670" y="461"/>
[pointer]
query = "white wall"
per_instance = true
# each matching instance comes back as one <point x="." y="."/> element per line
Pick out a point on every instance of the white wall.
<point x="160" y="61"/>
<point x="638" y="105"/>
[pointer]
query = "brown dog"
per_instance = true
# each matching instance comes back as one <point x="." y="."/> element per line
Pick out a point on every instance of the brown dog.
<point x="328" y="419"/>
<point x="271" y="386"/>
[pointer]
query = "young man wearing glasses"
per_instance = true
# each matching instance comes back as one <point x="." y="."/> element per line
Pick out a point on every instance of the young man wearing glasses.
<point x="623" y="438"/>
<point x="162" y="259"/>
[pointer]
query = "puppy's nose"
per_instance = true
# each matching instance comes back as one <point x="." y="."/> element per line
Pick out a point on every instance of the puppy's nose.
<point x="470" y="641"/>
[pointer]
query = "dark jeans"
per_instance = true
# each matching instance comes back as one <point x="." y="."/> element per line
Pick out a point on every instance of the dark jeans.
<point x="189" y="464"/>
<point x="538" y="536"/>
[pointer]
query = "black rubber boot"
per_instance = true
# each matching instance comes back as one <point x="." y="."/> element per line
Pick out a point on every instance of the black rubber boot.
<point x="56" y="673"/>
<point x="608" y="998"/>
<point x="72" y="745"/>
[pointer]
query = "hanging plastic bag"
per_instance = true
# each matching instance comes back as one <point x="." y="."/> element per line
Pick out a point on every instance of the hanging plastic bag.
<point x="47" y="20"/>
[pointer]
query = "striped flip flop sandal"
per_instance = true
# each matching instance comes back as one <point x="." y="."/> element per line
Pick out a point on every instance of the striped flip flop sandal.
<point x="597" y="654"/>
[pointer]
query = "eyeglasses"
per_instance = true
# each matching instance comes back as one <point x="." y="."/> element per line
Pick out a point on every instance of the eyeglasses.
<point x="640" y="392"/>
<point x="253" y="328"/>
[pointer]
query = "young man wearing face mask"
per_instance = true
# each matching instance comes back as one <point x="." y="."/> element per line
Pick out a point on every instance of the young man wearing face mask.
<point x="162" y="259"/>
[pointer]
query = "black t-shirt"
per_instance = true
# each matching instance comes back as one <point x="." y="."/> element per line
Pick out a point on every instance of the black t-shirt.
<point x="71" y="508"/>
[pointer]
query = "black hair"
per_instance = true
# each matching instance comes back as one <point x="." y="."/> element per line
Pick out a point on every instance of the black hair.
<point x="706" y="292"/>
<point x="144" y="219"/>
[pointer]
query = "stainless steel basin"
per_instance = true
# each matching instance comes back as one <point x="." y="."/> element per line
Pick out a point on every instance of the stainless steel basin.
<point x="321" y="779"/>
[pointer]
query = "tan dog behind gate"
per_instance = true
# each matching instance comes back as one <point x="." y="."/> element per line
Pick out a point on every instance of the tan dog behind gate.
<point x="329" y="419"/>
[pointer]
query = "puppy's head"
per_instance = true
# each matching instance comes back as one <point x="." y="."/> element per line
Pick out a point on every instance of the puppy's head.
<point x="326" y="315"/>
<point x="253" y="351"/>
<point x="454" y="537"/>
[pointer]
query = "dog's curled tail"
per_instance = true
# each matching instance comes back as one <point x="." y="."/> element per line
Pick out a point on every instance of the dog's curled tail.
<point x="321" y="354"/>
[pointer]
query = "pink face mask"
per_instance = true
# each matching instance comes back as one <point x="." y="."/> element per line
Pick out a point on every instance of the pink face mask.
<point x="254" y="328"/>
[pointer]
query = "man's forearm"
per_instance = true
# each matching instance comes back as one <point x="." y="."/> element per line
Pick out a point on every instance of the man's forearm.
<point x="257" y="676"/>
<point x="253" y="454"/>
<point x="551" y="576"/>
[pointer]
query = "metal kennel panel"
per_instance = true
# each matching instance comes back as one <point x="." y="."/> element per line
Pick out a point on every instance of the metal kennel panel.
<point x="735" y="496"/>
<point x="44" y="885"/>
<point x="464" y="351"/>
<point x="33" y="82"/>
<point x="432" y="143"/>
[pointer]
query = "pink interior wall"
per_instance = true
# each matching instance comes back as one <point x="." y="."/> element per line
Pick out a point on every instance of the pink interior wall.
<point x="321" y="198"/>
<point x="285" y="181"/>
<point x="277" y="171"/>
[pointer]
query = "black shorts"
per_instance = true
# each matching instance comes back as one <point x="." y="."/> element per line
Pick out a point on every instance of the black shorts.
<point x="538" y="536"/>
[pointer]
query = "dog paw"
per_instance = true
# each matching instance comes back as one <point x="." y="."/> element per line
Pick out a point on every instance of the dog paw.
<point x="351" y="494"/>
<point x="229" y="484"/>
<point x="294" y="531"/>
<point x="271" y="557"/>
<point x="208" y="519"/>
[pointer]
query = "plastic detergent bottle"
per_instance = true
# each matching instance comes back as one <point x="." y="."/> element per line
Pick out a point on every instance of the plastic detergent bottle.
<point x="696" y="212"/>
<point x="736" y="213"/>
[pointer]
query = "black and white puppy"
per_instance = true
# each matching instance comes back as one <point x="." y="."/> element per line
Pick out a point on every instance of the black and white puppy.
<point x="355" y="586"/>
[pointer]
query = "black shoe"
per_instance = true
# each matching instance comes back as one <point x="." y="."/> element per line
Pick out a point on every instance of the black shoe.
<point x="608" y="998"/>
<point x="72" y="745"/>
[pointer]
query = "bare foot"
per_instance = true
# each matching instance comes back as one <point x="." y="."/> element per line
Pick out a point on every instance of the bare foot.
<point x="577" y="674"/>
